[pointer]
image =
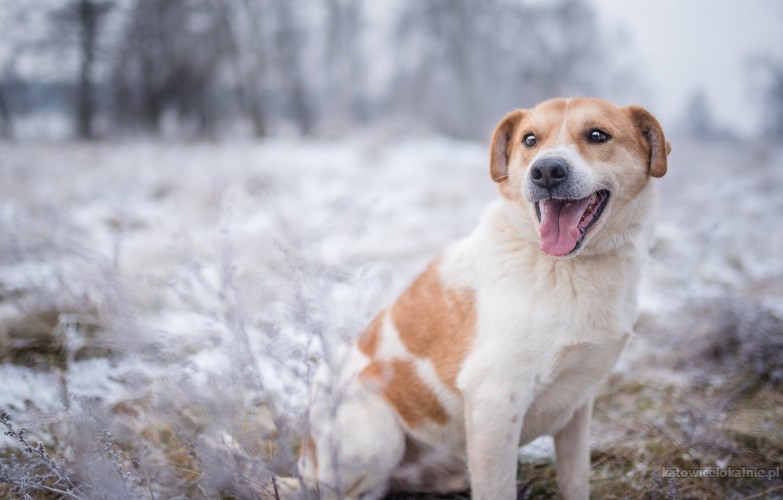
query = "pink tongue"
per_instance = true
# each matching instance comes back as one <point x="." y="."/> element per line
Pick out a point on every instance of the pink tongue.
<point x="560" y="224"/>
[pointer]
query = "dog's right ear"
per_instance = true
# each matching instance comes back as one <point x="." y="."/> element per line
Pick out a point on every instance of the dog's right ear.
<point x="500" y="147"/>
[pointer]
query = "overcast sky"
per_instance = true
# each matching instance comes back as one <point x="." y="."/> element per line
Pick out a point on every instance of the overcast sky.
<point x="680" y="46"/>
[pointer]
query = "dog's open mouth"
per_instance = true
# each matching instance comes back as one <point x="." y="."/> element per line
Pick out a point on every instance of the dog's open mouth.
<point x="564" y="223"/>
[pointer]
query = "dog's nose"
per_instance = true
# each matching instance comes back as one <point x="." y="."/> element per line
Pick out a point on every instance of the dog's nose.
<point x="548" y="172"/>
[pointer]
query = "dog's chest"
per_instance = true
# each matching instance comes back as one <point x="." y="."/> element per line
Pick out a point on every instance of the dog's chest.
<point x="561" y="305"/>
<point x="566" y="329"/>
<point x="577" y="371"/>
<point x="523" y="295"/>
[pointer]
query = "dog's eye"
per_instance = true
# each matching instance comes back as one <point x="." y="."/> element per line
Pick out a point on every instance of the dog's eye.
<point x="597" y="136"/>
<point x="530" y="140"/>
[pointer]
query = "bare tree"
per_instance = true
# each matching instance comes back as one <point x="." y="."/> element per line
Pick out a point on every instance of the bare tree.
<point x="344" y="98"/>
<point x="6" y="125"/>
<point x="245" y="46"/>
<point x="289" y="45"/>
<point x="699" y="121"/>
<point x="85" y="16"/>
<point x="88" y="13"/>
<point x="462" y="65"/>
<point x="169" y="61"/>
<point x="773" y="118"/>
<point x="452" y="65"/>
<point x="436" y="75"/>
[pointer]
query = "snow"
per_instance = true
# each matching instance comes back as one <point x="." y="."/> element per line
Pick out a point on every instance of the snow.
<point x="215" y="259"/>
<point x="542" y="447"/>
<point x="187" y="241"/>
<point x="23" y="387"/>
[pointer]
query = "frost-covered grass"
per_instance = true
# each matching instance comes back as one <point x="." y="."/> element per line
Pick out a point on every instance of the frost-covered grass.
<point x="162" y="307"/>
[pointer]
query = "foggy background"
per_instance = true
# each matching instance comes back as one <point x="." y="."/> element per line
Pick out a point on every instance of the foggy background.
<point x="200" y="199"/>
<point x="228" y="68"/>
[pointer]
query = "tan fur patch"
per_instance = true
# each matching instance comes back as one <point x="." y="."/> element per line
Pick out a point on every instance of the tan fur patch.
<point x="436" y="323"/>
<point x="368" y="342"/>
<point x="402" y="387"/>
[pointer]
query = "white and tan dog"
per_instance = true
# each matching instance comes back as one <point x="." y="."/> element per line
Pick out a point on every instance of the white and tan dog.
<point x="506" y="336"/>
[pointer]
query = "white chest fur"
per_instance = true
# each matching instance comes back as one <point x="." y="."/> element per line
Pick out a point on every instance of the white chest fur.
<point x="547" y="328"/>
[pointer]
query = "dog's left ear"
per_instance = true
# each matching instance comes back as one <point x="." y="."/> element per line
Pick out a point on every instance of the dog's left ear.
<point x="651" y="130"/>
<point x="499" y="149"/>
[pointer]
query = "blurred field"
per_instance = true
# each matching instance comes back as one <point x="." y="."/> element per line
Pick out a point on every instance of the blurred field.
<point x="177" y="295"/>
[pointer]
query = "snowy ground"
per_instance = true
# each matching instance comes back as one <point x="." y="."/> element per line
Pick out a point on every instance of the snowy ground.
<point x="168" y="226"/>
<point x="159" y="288"/>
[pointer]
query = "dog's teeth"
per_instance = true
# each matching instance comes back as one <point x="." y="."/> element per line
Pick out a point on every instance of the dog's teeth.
<point x="593" y="200"/>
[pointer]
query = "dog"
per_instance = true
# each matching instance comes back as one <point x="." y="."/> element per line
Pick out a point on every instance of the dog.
<point x="508" y="333"/>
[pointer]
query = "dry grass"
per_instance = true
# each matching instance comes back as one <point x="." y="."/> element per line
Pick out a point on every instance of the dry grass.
<point x="714" y="401"/>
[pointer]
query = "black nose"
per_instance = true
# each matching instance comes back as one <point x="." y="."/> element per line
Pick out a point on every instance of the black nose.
<point x="549" y="172"/>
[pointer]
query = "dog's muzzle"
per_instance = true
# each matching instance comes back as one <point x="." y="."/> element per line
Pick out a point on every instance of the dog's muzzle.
<point x="567" y="207"/>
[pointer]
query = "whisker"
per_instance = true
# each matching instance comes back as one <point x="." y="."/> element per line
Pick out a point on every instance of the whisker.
<point x="608" y="233"/>
<point x="507" y="176"/>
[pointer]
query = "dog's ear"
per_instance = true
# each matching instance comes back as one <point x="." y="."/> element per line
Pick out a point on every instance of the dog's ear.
<point x="499" y="148"/>
<point x="649" y="128"/>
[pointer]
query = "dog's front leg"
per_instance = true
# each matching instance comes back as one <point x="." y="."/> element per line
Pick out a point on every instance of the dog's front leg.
<point x="572" y="446"/>
<point x="493" y="424"/>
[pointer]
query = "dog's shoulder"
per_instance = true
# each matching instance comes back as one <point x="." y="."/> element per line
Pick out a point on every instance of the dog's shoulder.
<point x="415" y="348"/>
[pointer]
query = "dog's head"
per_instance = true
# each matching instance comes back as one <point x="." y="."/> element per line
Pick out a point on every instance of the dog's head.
<point x="579" y="166"/>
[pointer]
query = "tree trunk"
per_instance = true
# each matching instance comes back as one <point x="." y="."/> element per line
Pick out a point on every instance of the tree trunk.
<point x="6" y="125"/>
<point x="248" y="78"/>
<point x="460" y="45"/>
<point x="87" y="12"/>
<point x="344" y="68"/>
<point x="288" y="45"/>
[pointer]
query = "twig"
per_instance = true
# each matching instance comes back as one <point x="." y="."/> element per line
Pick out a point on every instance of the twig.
<point x="765" y="492"/>
<point x="146" y="476"/>
<point x="39" y="453"/>
<point x="10" y="480"/>
<point x="274" y="485"/>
